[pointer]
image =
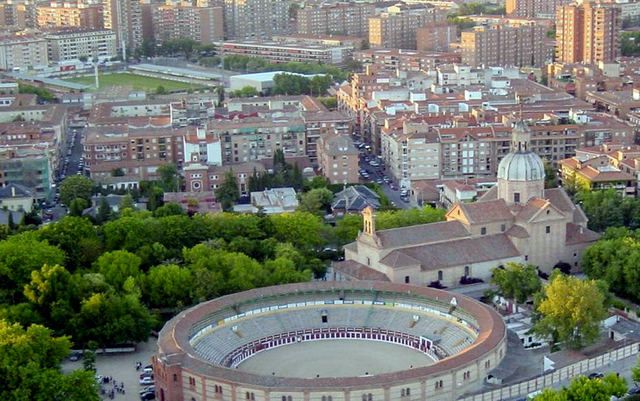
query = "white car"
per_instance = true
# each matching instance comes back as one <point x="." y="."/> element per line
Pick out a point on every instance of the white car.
<point x="147" y="380"/>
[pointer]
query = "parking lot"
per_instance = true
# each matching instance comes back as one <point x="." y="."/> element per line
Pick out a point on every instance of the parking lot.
<point x="122" y="369"/>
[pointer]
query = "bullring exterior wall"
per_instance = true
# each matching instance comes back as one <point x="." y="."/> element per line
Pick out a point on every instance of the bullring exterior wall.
<point x="181" y="376"/>
<point x="191" y="386"/>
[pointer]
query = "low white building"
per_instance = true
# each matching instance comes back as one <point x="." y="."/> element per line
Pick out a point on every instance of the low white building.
<point x="261" y="81"/>
<point x="72" y="45"/>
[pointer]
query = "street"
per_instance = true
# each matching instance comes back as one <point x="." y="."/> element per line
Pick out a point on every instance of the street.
<point x="377" y="174"/>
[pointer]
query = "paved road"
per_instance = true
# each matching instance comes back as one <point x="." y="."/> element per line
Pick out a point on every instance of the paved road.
<point x="376" y="174"/>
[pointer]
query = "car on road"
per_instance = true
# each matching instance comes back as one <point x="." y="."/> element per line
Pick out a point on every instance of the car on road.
<point x="393" y="187"/>
<point x="379" y="181"/>
<point x="596" y="375"/>
<point x="147" y="380"/>
<point x="405" y="199"/>
<point x="634" y="390"/>
<point x="374" y="163"/>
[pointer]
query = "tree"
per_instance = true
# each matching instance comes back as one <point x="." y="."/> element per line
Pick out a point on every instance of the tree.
<point x="550" y="175"/>
<point x="77" y="186"/>
<point x="220" y="93"/>
<point x="77" y="206"/>
<point x="302" y="229"/>
<point x="169" y="179"/>
<point x="19" y="256"/>
<point x="89" y="358"/>
<point x="161" y="90"/>
<point x="570" y="310"/>
<point x="635" y="372"/>
<point x="52" y="293"/>
<point x="228" y="193"/>
<point x="29" y="366"/>
<point x="169" y="209"/>
<point x="245" y="91"/>
<point x="316" y="201"/>
<point x="77" y="237"/>
<point x="169" y="286"/>
<point x="127" y="202"/>
<point x="603" y="208"/>
<point x="111" y="319"/>
<point x="582" y="388"/>
<point x="104" y="211"/>
<point x="117" y="266"/>
<point x="517" y="281"/>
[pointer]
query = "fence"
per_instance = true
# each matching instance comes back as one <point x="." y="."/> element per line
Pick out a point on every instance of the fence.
<point x="522" y="389"/>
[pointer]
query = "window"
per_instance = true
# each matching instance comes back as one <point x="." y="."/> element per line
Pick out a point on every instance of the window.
<point x="483" y="230"/>
<point x="368" y="261"/>
<point x="407" y="279"/>
<point x="439" y="384"/>
<point x="487" y="364"/>
<point x="503" y="227"/>
<point x="250" y="396"/>
<point x="440" y="275"/>
<point x="516" y="197"/>
<point x="467" y="271"/>
<point x="175" y="377"/>
<point x="547" y="229"/>
<point x="526" y="258"/>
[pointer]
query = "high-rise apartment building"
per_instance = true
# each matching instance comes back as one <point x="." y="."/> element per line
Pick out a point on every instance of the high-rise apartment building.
<point x="534" y="8"/>
<point x="69" y="16"/>
<point x="13" y="16"/>
<point x="124" y="17"/>
<point x="587" y="32"/>
<point x="202" y="24"/>
<point x="500" y="45"/>
<point x="436" y="37"/>
<point x="350" y="19"/>
<point x="257" y="19"/>
<point x="396" y="27"/>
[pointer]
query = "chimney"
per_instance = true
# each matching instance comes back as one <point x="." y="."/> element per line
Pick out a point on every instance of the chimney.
<point x="13" y="192"/>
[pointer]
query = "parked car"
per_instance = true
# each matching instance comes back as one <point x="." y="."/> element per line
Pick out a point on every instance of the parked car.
<point x="148" y="389"/>
<point x="151" y="395"/>
<point x="596" y="375"/>
<point x="147" y="380"/>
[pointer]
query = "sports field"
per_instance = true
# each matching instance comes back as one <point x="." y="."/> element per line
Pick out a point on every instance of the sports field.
<point x="137" y="82"/>
<point x="334" y="358"/>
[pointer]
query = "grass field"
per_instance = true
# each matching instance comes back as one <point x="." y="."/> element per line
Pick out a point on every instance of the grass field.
<point x="138" y="82"/>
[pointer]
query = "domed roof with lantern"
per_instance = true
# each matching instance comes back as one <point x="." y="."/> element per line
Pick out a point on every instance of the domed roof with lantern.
<point x="521" y="164"/>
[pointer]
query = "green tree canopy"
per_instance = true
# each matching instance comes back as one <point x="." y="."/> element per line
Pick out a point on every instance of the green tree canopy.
<point x="228" y="193"/>
<point x="77" y="186"/>
<point x="117" y="266"/>
<point x="570" y="310"/>
<point x="316" y="201"/>
<point x="169" y="286"/>
<point x="517" y="281"/>
<point x="29" y="367"/>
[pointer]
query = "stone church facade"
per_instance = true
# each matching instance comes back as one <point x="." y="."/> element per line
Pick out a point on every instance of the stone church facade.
<point x="518" y="220"/>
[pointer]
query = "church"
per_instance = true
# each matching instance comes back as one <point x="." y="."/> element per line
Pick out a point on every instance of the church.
<point x="518" y="220"/>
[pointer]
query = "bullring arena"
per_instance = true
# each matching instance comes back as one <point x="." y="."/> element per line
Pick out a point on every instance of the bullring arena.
<point x="329" y="341"/>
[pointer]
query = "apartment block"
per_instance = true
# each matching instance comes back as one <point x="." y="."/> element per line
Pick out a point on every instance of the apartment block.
<point x="124" y="17"/>
<point x="500" y="45"/>
<point x="534" y="8"/>
<point x="285" y="52"/>
<point x="404" y="60"/>
<point x="65" y="46"/>
<point x="202" y="24"/>
<point x="69" y="16"/>
<point x="135" y="152"/>
<point x="410" y="151"/>
<point x="338" y="159"/>
<point x="588" y="32"/>
<point x="396" y="28"/>
<point x="349" y="19"/>
<point x="13" y="16"/>
<point x="22" y="52"/>
<point x="255" y="19"/>
<point x="436" y="37"/>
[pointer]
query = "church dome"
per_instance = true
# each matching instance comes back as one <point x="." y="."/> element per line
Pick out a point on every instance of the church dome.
<point x="521" y="166"/>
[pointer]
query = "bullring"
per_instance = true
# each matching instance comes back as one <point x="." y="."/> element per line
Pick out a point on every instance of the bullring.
<point x="388" y="341"/>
